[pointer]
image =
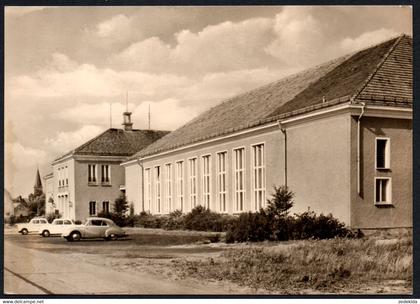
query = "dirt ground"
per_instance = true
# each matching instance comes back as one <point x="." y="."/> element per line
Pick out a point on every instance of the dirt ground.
<point x="155" y="251"/>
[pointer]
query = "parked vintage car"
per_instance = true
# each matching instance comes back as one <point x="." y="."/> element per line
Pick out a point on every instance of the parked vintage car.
<point x="94" y="227"/>
<point x="57" y="227"/>
<point x="32" y="226"/>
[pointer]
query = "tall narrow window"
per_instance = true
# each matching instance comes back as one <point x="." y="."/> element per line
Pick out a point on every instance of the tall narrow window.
<point x="383" y="190"/>
<point x="59" y="177"/>
<point x="383" y="153"/>
<point x="239" y="166"/>
<point x="105" y="207"/>
<point x="148" y="189"/>
<point x="193" y="182"/>
<point x="67" y="175"/>
<point x="180" y="184"/>
<point x="221" y="180"/>
<point x="158" y="190"/>
<point x="168" y="187"/>
<point x="206" y="181"/>
<point x="92" y="208"/>
<point x="258" y="177"/>
<point x="106" y="174"/>
<point x="92" y="174"/>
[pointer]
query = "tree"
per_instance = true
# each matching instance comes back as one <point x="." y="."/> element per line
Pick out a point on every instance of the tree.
<point x="36" y="203"/>
<point x="121" y="205"/>
<point x="281" y="202"/>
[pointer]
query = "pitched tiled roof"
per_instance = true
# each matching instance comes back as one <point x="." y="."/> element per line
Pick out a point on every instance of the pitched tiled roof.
<point x="366" y="74"/>
<point x="117" y="142"/>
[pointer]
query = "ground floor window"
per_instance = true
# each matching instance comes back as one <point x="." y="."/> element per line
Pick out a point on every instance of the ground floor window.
<point x="92" y="208"/>
<point x="105" y="207"/>
<point x="382" y="190"/>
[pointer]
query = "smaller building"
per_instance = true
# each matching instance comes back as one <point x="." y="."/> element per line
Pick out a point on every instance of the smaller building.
<point x="49" y="193"/>
<point x="87" y="180"/>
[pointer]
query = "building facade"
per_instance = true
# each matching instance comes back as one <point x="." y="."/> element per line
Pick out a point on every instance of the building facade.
<point x="338" y="135"/>
<point x="87" y="180"/>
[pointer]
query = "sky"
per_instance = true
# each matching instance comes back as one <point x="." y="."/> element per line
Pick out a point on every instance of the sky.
<point x="66" y="67"/>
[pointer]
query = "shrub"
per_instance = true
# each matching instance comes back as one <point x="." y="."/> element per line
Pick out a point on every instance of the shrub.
<point x="52" y="216"/>
<point x="275" y="223"/>
<point x="249" y="226"/>
<point x="173" y="221"/>
<point x="202" y="219"/>
<point x="309" y="225"/>
<point x="147" y="220"/>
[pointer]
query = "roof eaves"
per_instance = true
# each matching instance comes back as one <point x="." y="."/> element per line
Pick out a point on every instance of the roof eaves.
<point x="378" y="66"/>
<point x="249" y="125"/>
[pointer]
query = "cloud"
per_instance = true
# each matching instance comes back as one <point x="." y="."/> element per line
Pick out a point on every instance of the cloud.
<point x="23" y="10"/>
<point x="66" y="141"/>
<point x="63" y="77"/>
<point x="117" y="25"/>
<point x="20" y="155"/>
<point x="167" y="114"/>
<point x="366" y="39"/>
<point x="216" y="48"/>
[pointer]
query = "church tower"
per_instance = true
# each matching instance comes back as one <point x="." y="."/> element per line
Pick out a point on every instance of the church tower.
<point x="38" y="185"/>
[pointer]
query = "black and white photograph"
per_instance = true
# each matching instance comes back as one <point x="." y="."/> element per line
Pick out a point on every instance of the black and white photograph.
<point x="208" y="150"/>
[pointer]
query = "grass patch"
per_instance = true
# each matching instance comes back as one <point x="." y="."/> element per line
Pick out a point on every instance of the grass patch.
<point x="323" y="265"/>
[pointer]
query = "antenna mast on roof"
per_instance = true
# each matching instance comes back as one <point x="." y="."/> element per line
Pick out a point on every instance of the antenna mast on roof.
<point x="110" y="115"/>
<point x="149" y="116"/>
<point x="126" y="102"/>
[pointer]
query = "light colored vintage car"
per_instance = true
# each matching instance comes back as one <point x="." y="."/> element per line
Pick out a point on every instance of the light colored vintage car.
<point x="94" y="227"/>
<point x="32" y="226"/>
<point x="57" y="227"/>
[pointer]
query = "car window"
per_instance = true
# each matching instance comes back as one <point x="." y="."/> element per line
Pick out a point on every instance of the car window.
<point x="104" y="223"/>
<point x="67" y="222"/>
<point x="35" y="222"/>
<point x="96" y="222"/>
<point x="60" y="222"/>
<point x="43" y="221"/>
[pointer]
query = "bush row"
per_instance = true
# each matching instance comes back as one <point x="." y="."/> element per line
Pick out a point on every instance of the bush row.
<point x="200" y="219"/>
<point x="274" y="223"/>
<point x="261" y="226"/>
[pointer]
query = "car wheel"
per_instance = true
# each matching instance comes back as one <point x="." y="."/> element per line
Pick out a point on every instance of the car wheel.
<point x="75" y="236"/>
<point x="24" y="231"/>
<point x="45" y="233"/>
<point x="113" y="237"/>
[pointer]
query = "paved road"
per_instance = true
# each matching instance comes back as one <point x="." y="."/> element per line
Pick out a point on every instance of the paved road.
<point x="30" y="271"/>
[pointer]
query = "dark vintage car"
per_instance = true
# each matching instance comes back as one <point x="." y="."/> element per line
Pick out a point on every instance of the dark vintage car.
<point x="94" y="227"/>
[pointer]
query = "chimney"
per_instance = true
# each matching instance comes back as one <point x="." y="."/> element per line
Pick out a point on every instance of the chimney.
<point x="128" y="125"/>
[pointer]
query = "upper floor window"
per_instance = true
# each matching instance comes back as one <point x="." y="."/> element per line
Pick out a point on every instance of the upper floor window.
<point x="239" y="180"/>
<point x="106" y="174"/>
<point x="66" y="170"/>
<point x="383" y="153"/>
<point x="92" y="174"/>
<point x="258" y="177"/>
<point x="206" y="181"/>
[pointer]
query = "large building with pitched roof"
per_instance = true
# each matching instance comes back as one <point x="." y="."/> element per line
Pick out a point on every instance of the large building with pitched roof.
<point x="339" y="135"/>
<point x="88" y="179"/>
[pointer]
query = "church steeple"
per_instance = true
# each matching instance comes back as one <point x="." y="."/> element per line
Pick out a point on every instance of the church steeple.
<point x="38" y="183"/>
